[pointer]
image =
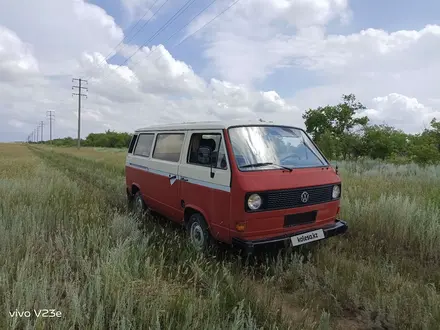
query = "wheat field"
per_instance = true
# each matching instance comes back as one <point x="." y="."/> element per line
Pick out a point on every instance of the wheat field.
<point x="68" y="244"/>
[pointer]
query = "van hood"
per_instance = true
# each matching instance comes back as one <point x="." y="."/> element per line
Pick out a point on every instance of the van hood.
<point x="277" y="179"/>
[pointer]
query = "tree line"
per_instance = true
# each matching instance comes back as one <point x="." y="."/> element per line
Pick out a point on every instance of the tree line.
<point x="341" y="133"/>
<point x="338" y="130"/>
<point x="109" y="139"/>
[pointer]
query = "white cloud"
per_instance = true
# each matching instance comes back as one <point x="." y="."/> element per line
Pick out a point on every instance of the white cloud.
<point x="371" y="63"/>
<point x="249" y="41"/>
<point x="244" y="49"/>
<point x="39" y="54"/>
<point x="16" y="57"/>
<point x="257" y="38"/>
<point x="368" y="52"/>
<point x="15" y="123"/>
<point x="138" y="9"/>
<point x="60" y="31"/>
<point x="402" y="112"/>
<point x="153" y="87"/>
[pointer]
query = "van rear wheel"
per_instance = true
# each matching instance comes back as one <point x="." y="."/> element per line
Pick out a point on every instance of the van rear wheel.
<point x="198" y="232"/>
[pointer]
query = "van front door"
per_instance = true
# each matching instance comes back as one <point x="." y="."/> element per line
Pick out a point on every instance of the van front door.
<point x="199" y="190"/>
<point x="164" y="164"/>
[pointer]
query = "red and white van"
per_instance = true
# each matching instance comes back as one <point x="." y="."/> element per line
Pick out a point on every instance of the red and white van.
<point x="241" y="183"/>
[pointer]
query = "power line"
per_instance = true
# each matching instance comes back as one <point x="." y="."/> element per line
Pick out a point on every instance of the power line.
<point x="170" y="37"/>
<point x="50" y="114"/>
<point x="207" y="23"/>
<point x="203" y="26"/>
<point x="190" y="35"/>
<point x="42" y="135"/>
<point x="161" y="29"/>
<point x="79" y="94"/>
<point x="114" y="51"/>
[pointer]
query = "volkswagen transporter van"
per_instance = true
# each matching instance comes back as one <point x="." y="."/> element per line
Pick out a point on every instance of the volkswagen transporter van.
<point x="241" y="183"/>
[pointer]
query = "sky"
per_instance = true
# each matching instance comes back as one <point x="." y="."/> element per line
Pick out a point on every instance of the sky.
<point x="269" y="59"/>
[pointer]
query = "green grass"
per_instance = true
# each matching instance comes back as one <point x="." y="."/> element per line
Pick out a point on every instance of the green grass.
<point x="68" y="243"/>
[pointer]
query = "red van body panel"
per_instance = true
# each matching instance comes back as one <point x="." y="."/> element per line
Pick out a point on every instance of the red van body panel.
<point x="206" y="201"/>
<point x="270" y="223"/>
<point x="266" y="224"/>
<point x="156" y="189"/>
<point x="224" y="206"/>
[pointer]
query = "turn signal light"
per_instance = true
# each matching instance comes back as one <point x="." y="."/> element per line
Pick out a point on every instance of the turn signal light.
<point x="240" y="226"/>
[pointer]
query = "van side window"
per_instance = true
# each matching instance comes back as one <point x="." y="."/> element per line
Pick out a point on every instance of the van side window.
<point x="214" y="142"/>
<point x="168" y="146"/>
<point x="132" y="143"/>
<point x="144" y="145"/>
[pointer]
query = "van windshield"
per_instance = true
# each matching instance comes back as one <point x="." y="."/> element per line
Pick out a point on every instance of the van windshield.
<point x="268" y="147"/>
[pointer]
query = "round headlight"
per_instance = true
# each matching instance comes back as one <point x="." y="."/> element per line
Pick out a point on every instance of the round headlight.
<point x="254" y="202"/>
<point x="336" y="192"/>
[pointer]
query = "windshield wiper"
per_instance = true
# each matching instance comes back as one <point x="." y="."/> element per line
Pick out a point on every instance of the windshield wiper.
<point x="265" y="164"/>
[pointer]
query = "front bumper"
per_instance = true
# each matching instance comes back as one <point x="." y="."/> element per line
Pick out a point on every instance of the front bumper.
<point x="337" y="228"/>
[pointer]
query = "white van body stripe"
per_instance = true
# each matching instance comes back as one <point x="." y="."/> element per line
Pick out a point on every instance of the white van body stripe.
<point x="209" y="184"/>
<point x="149" y="169"/>
<point x="189" y="180"/>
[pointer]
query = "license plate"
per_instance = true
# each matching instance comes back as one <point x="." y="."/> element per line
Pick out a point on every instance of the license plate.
<point x="308" y="237"/>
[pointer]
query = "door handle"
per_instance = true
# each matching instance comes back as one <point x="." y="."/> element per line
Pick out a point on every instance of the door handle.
<point x="172" y="176"/>
<point x="183" y="179"/>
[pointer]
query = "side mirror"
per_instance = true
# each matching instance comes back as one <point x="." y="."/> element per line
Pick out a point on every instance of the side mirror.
<point x="204" y="156"/>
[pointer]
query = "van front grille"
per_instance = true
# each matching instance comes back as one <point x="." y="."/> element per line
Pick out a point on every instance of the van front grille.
<point x="291" y="198"/>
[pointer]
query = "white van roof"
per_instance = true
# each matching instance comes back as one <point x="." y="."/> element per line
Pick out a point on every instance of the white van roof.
<point x="201" y="125"/>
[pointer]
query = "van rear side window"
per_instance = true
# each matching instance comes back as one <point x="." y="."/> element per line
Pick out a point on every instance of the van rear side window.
<point x="132" y="143"/>
<point x="168" y="146"/>
<point x="144" y="145"/>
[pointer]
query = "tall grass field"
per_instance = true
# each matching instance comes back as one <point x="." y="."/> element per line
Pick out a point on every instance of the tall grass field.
<point x="69" y="246"/>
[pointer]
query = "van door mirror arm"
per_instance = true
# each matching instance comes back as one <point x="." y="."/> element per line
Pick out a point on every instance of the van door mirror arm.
<point x="212" y="174"/>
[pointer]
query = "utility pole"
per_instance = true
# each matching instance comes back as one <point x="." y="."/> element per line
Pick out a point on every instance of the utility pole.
<point x="50" y="114"/>
<point x="79" y="94"/>
<point x="38" y="132"/>
<point x="42" y="136"/>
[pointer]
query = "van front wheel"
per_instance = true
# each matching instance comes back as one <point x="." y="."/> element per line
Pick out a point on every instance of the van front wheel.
<point x="198" y="231"/>
<point x="139" y="207"/>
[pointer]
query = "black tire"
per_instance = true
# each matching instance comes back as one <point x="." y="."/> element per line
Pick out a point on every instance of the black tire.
<point x="130" y="200"/>
<point x="198" y="233"/>
<point x="139" y="207"/>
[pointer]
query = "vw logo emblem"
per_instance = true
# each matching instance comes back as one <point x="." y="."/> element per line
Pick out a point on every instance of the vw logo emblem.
<point x="305" y="197"/>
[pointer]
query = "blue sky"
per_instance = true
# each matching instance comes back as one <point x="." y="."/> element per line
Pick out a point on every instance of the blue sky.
<point x="188" y="52"/>
<point x="394" y="15"/>
<point x="390" y="15"/>
<point x="263" y="58"/>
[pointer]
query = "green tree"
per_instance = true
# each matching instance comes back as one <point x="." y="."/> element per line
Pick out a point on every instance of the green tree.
<point x="327" y="143"/>
<point x="351" y="146"/>
<point x="424" y="149"/>
<point x="109" y="139"/>
<point x="434" y="132"/>
<point x="337" y="122"/>
<point x="338" y="119"/>
<point x="384" y="141"/>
